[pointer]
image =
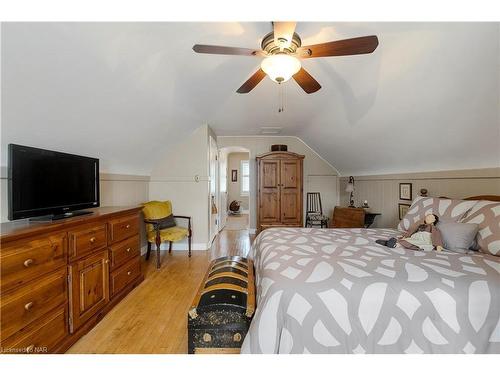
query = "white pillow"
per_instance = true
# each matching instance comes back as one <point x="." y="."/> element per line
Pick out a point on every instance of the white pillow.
<point x="458" y="237"/>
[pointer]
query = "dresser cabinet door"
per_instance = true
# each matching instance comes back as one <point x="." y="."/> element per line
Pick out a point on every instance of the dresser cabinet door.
<point x="291" y="194"/>
<point x="269" y="186"/>
<point x="89" y="291"/>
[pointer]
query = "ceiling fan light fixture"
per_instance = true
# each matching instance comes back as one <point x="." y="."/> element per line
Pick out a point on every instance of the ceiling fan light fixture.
<point x="280" y="67"/>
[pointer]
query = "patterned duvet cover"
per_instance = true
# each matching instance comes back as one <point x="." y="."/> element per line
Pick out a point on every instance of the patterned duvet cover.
<point x="337" y="291"/>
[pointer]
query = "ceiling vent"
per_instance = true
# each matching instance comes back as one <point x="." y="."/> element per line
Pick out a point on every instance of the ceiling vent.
<point x="270" y="130"/>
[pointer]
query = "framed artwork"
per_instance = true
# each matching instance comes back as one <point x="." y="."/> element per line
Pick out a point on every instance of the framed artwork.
<point x="403" y="209"/>
<point x="405" y="191"/>
<point x="234" y="175"/>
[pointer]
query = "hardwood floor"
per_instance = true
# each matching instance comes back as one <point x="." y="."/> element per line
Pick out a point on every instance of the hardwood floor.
<point x="153" y="317"/>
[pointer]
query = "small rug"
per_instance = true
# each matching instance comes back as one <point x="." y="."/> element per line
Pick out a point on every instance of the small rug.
<point x="237" y="222"/>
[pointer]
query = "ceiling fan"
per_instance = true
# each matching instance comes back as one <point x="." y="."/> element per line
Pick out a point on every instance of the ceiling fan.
<point x="282" y="49"/>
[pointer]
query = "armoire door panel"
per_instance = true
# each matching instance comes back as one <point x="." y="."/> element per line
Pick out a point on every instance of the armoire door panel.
<point x="269" y="191"/>
<point x="270" y="209"/>
<point x="290" y="191"/>
<point x="270" y="174"/>
<point x="290" y="174"/>
<point x="290" y="206"/>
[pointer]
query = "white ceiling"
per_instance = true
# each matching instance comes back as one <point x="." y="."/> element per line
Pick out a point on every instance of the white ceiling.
<point x="426" y="99"/>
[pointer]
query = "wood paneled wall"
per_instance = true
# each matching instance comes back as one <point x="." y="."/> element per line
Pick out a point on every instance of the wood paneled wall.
<point x="382" y="191"/>
<point x="115" y="190"/>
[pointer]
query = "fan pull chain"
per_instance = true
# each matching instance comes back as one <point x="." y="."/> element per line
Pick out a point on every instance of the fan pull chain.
<point x="283" y="99"/>
<point x="281" y="106"/>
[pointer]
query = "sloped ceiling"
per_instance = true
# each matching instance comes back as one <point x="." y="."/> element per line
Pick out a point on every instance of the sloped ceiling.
<point x="426" y="99"/>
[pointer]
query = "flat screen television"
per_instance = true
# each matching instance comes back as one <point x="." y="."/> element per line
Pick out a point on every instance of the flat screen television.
<point x="49" y="183"/>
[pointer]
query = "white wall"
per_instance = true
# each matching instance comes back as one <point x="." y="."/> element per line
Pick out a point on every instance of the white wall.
<point x="181" y="176"/>
<point x="234" y="188"/>
<point x="382" y="191"/>
<point x="319" y="175"/>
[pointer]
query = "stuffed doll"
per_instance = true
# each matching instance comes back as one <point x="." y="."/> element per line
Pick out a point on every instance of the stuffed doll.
<point x="421" y="236"/>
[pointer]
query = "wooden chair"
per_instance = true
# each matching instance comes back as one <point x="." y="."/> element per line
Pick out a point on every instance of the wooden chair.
<point x="314" y="211"/>
<point x="161" y="227"/>
<point x="348" y="217"/>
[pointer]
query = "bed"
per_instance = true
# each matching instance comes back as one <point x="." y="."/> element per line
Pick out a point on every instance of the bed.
<point x="337" y="291"/>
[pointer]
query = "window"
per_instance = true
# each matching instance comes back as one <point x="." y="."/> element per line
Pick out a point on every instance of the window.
<point x="245" y="177"/>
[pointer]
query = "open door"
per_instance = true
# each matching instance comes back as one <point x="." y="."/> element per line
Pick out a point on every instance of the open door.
<point x="222" y="189"/>
<point x="213" y="206"/>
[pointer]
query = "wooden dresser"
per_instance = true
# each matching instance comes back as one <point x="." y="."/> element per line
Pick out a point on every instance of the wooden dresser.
<point x="59" y="279"/>
<point x="280" y="190"/>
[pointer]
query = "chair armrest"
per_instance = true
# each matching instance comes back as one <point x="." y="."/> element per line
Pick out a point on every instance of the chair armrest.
<point x="182" y="217"/>
<point x="188" y="218"/>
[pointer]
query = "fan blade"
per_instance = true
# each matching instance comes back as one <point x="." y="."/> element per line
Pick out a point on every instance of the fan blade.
<point x="283" y="33"/>
<point x="354" y="46"/>
<point x="251" y="82"/>
<point x="221" y="50"/>
<point x="306" y="81"/>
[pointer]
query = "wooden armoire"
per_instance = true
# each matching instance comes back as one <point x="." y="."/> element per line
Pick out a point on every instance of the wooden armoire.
<point x="280" y="190"/>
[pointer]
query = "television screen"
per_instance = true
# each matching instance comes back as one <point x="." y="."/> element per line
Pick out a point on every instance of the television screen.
<point x="43" y="182"/>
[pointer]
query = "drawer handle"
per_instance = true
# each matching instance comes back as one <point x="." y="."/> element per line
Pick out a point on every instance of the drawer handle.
<point x="237" y="337"/>
<point x="128" y="250"/>
<point x="28" y="306"/>
<point x="28" y="262"/>
<point x="92" y="239"/>
<point x="129" y="273"/>
<point x="29" y="349"/>
<point x="106" y="261"/>
<point x="207" y="337"/>
<point x="127" y="226"/>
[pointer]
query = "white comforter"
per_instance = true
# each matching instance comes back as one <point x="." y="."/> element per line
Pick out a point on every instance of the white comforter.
<point x="337" y="291"/>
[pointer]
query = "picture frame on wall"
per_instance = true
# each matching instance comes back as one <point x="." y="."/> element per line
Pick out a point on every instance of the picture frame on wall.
<point x="403" y="209"/>
<point x="405" y="191"/>
<point x="234" y="175"/>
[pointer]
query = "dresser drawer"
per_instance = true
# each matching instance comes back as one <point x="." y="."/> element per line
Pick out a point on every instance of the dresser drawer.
<point x="123" y="251"/>
<point x="87" y="240"/>
<point x="24" y="260"/>
<point x="22" y="306"/>
<point x="41" y="336"/>
<point x="122" y="228"/>
<point x="126" y="274"/>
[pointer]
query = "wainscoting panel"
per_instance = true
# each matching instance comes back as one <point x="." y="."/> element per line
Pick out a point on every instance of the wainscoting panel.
<point x="382" y="191"/>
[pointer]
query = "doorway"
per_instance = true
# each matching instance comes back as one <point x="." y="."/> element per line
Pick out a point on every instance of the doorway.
<point x="234" y="167"/>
